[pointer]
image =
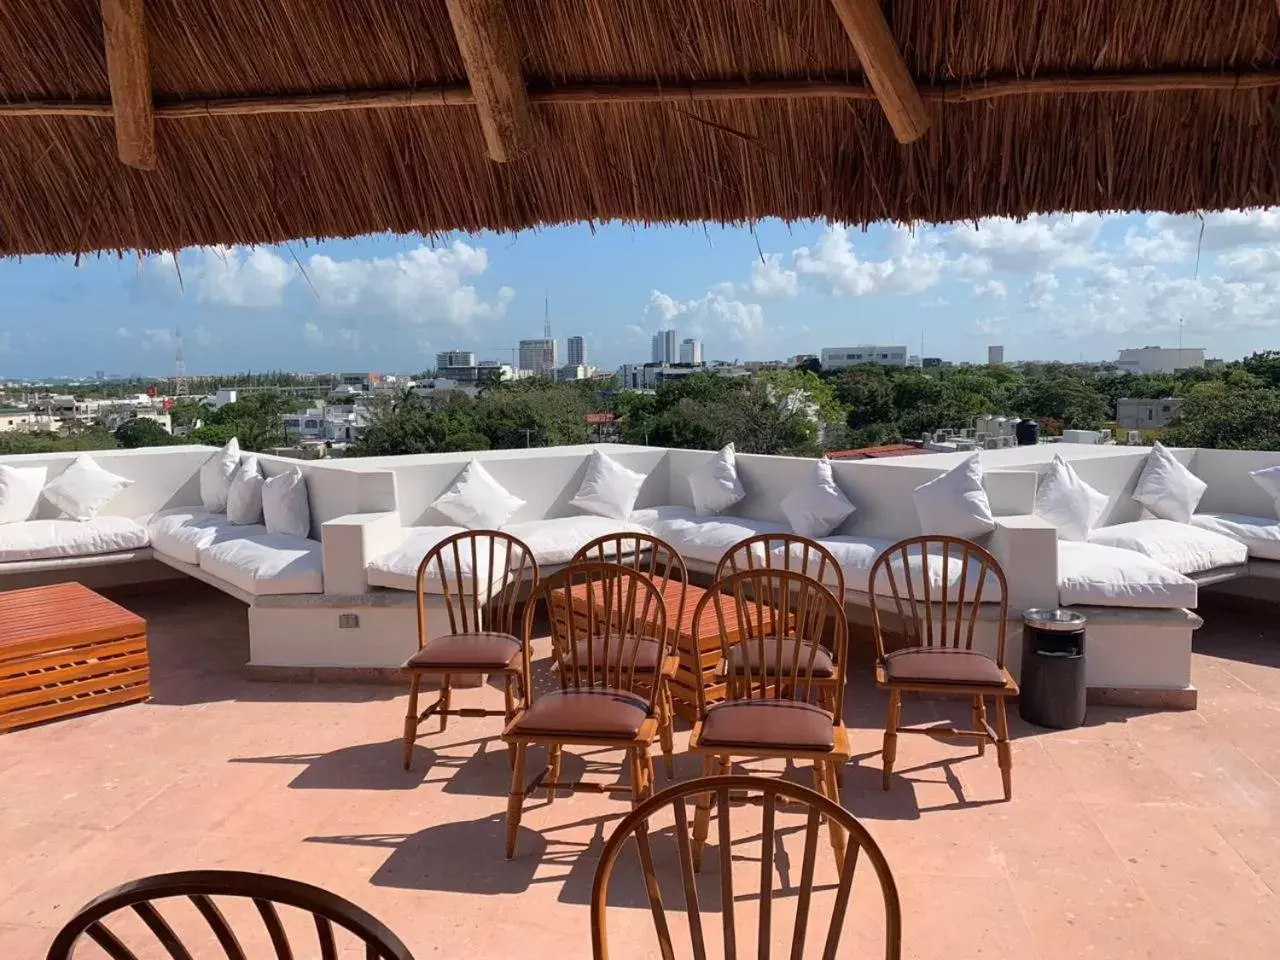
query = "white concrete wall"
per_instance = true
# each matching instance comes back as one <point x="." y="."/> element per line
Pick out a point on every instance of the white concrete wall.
<point x="1231" y="489"/>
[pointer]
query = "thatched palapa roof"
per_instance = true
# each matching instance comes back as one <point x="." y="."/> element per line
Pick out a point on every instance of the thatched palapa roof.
<point x="157" y="124"/>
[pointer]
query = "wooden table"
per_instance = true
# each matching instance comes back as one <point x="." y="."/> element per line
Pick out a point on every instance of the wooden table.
<point x="65" y="650"/>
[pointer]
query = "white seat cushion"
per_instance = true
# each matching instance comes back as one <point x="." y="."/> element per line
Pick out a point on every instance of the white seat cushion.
<point x="554" y="541"/>
<point x="50" y="539"/>
<point x="182" y="533"/>
<point x="1179" y="546"/>
<point x="705" y="539"/>
<point x="398" y="568"/>
<point x="1094" y="575"/>
<point x="1260" y="535"/>
<point x="266" y="564"/>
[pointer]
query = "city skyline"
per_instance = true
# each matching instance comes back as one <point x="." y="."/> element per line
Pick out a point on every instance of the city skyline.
<point x="1067" y="288"/>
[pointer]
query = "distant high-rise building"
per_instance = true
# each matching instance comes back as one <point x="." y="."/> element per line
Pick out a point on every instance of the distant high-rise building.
<point x="1160" y="359"/>
<point x="664" y="346"/>
<point x="538" y="357"/>
<point x="995" y="356"/>
<point x="455" y="358"/>
<point x="885" y="356"/>
<point x="690" y="351"/>
<point x="577" y="351"/>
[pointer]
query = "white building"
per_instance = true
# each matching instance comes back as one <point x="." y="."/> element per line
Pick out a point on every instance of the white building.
<point x="455" y="358"/>
<point x="690" y="351"/>
<point x="1160" y="359"/>
<point x="995" y="355"/>
<point x="577" y="350"/>
<point x="835" y="357"/>
<point x="575" y="371"/>
<point x="339" y="423"/>
<point x="1133" y="414"/>
<point x="113" y="421"/>
<point x="664" y="347"/>
<point x="539" y="357"/>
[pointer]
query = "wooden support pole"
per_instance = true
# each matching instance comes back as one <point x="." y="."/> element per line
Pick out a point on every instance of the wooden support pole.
<point x="884" y="67"/>
<point x="488" y="46"/>
<point x="124" y="29"/>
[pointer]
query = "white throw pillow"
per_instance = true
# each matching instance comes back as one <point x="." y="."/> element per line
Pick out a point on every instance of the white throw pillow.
<point x="609" y="489"/>
<point x="955" y="504"/>
<point x="216" y="474"/>
<point x="1268" y="478"/>
<point x="20" y="492"/>
<point x="818" y="506"/>
<point x="1167" y="488"/>
<point x="477" y="501"/>
<point x="244" y="498"/>
<point x="1068" y="502"/>
<point x="285" y="508"/>
<point x="84" y="488"/>
<point x="715" y="485"/>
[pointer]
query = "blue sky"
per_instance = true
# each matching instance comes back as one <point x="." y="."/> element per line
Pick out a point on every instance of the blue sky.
<point x="1045" y="288"/>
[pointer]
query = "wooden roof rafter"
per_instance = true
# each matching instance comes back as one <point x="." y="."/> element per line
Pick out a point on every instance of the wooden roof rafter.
<point x="886" y="71"/>
<point x="487" y="43"/>
<point x="124" y="31"/>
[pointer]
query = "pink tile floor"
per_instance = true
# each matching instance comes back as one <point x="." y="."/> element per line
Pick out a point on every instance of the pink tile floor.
<point x="1142" y="834"/>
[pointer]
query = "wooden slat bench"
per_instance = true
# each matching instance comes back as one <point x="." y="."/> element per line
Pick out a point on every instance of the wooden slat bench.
<point x="65" y="650"/>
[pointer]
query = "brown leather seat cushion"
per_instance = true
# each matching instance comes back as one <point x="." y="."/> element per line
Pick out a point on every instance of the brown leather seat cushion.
<point x="823" y="666"/>
<point x="594" y="713"/>
<point x="773" y="724"/>
<point x="467" y="651"/>
<point x="620" y="652"/>
<point x="941" y="665"/>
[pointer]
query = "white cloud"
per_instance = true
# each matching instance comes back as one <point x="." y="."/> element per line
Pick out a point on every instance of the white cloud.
<point x="716" y="314"/>
<point x="1033" y="245"/>
<point x="312" y="334"/>
<point x="1040" y="289"/>
<point x="205" y="337"/>
<point x="343" y="338"/>
<point x="770" y="280"/>
<point x="122" y="333"/>
<point x="158" y="337"/>
<point x="420" y="287"/>
<point x="231" y="276"/>
<point x="913" y="266"/>
<point x="989" y="290"/>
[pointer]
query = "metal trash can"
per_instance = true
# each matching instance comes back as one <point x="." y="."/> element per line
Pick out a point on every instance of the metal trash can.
<point x="1053" y="684"/>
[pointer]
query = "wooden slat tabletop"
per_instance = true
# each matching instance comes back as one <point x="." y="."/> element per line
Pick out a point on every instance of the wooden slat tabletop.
<point x="41" y="615"/>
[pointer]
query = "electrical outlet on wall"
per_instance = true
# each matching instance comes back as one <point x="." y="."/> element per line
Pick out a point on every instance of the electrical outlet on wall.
<point x="348" y="621"/>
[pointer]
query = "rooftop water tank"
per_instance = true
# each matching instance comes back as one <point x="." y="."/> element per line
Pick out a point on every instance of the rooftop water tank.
<point x="1028" y="432"/>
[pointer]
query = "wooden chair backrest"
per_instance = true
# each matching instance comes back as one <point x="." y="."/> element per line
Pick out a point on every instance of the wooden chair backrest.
<point x="764" y="604"/>
<point x="646" y="825"/>
<point x="933" y="615"/>
<point x="647" y="554"/>
<point x="486" y="597"/>
<point x="785" y="551"/>
<point x="141" y="898"/>
<point x="605" y="602"/>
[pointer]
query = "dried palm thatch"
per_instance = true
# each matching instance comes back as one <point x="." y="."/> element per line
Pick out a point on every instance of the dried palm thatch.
<point x="279" y="119"/>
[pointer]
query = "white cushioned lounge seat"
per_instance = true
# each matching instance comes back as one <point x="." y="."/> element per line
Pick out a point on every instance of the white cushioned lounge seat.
<point x="267" y="564"/>
<point x="398" y="568"/>
<point x="183" y="532"/>
<point x="1091" y="574"/>
<point x="1178" y="546"/>
<point x="705" y="539"/>
<point x="51" y="539"/>
<point x="555" y="540"/>
<point x="856" y="555"/>
<point x="1260" y="535"/>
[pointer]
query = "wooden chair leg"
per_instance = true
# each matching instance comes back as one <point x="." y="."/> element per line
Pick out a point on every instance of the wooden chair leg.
<point x="1003" y="751"/>
<point x="411" y="721"/>
<point x="837" y="780"/>
<point x="666" y="731"/>
<point x="825" y="785"/>
<point x="980" y="723"/>
<point x="515" y="800"/>
<point x="510" y="698"/>
<point x="446" y="698"/>
<point x="890" y="751"/>
<point x="553" y="771"/>
<point x="702" y="813"/>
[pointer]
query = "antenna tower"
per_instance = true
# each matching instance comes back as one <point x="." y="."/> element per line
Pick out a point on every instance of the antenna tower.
<point x="179" y="365"/>
<point x="546" y="318"/>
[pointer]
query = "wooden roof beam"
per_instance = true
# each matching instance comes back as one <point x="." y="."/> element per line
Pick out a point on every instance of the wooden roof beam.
<point x="884" y="67"/>
<point x="124" y="30"/>
<point x="488" y="45"/>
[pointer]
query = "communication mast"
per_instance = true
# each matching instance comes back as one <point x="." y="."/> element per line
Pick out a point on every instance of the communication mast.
<point x="179" y="365"/>
<point x="546" y="318"/>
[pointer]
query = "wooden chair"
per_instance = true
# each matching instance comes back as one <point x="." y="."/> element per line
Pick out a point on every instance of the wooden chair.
<point x="141" y="898"/>
<point x="479" y="575"/>
<point x="612" y="667"/>
<point x="647" y="822"/>
<point x="769" y="710"/>
<point x="938" y="620"/>
<point x="661" y="563"/>
<point x="797" y="554"/>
